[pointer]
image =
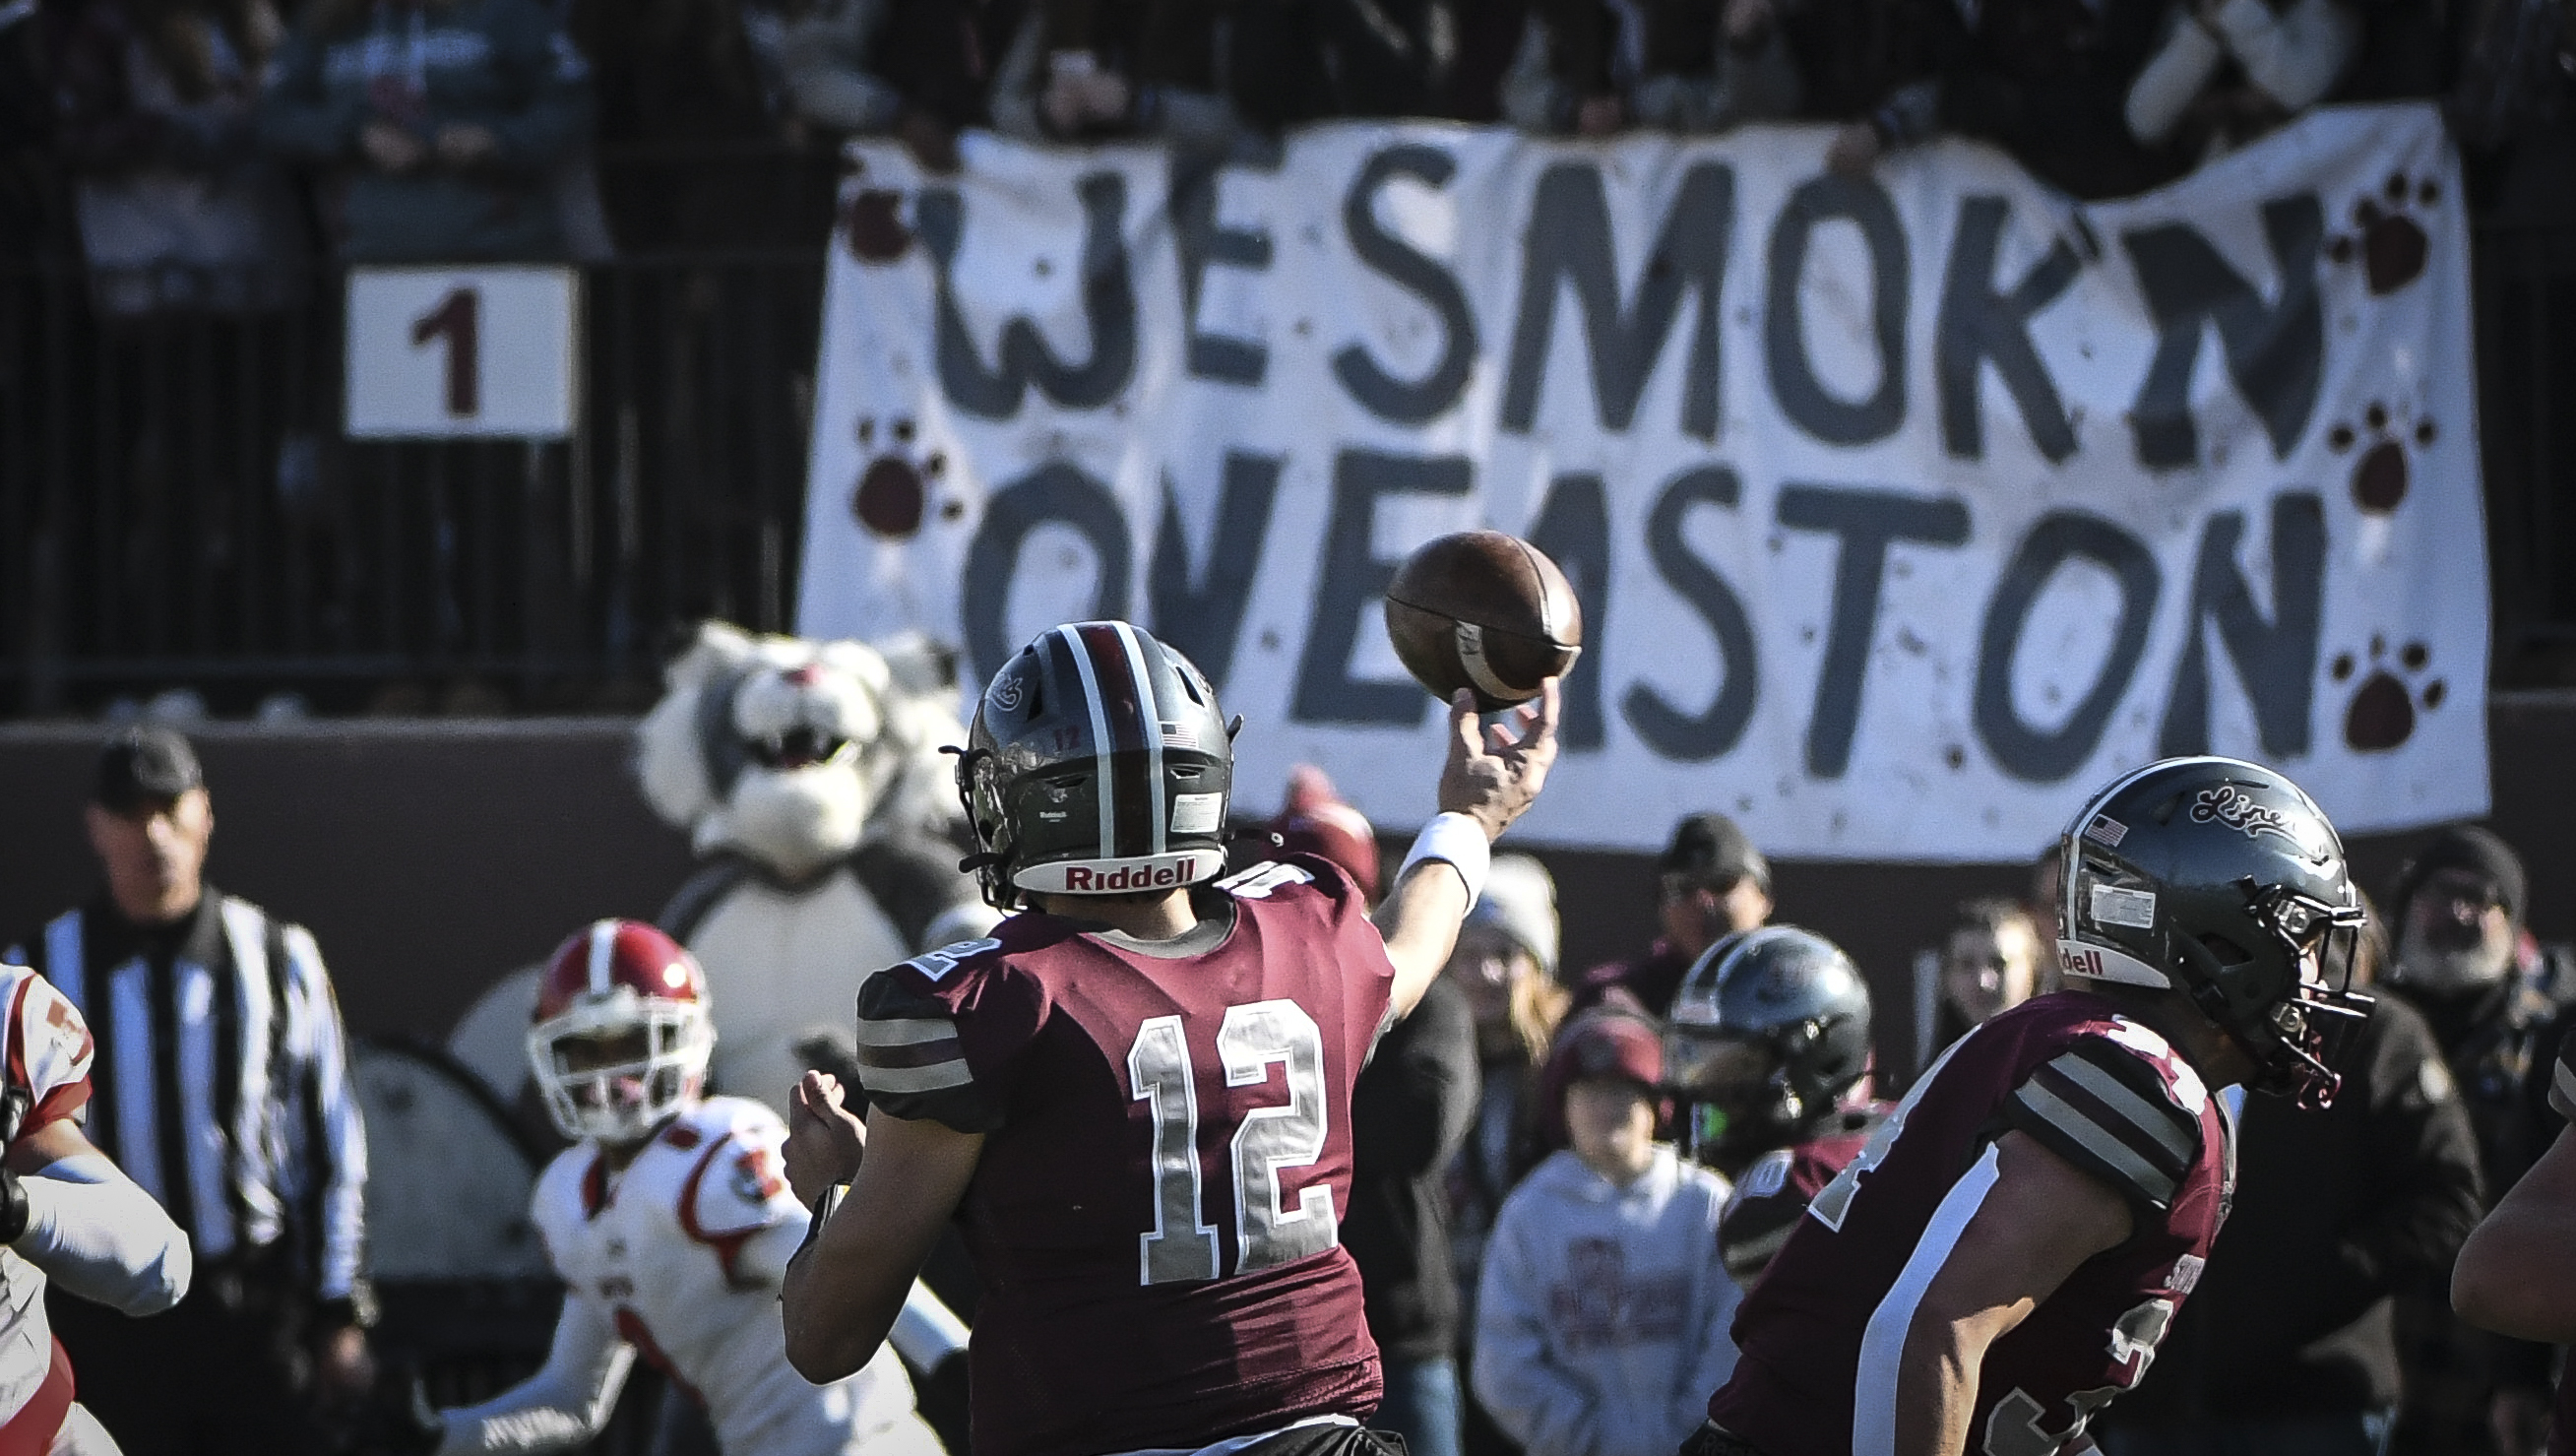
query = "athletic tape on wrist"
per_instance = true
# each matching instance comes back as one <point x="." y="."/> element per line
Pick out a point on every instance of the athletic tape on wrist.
<point x="1459" y="841"/>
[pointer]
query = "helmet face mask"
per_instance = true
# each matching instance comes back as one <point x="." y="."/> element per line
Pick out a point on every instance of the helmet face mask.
<point x="2222" y="881"/>
<point x="1098" y="764"/>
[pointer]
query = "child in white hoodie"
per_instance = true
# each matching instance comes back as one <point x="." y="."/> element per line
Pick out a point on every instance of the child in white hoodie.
<point x="1602" y="1313"/>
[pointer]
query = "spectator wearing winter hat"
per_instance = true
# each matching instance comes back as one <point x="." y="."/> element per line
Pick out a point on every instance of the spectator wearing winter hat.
<point x="1602" y="1317"/>
<point x="1505" y="965"/>
<point x="1713" y="883"/>
<point x="1315" y="821"/>
<point x="2463" y="958"/>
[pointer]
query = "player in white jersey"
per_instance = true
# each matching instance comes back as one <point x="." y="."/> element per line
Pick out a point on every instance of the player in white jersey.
<point x="670" y="1225"/>
<point x="66" y="1214"/>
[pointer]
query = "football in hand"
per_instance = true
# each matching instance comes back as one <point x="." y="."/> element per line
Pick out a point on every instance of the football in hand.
<point x="1486" y="611"/>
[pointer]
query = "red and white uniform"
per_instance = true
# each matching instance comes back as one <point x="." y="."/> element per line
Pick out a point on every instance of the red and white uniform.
<point x="678" y="1258"/>
<point x="49" y="1053"/>
<point x="1821" y="1335"/>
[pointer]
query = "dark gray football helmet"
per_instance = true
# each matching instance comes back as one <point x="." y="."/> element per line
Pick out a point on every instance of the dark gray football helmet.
<point x="1098" y="764"/>
<point x="1768" y="1034"/>
<point x="2222" y="880"/>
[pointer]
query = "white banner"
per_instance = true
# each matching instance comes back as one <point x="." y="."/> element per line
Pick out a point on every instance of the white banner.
<point x="1904" y="510"/>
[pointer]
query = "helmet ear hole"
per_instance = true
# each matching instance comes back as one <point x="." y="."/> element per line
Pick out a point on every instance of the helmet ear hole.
<point x="2228" y="953"/>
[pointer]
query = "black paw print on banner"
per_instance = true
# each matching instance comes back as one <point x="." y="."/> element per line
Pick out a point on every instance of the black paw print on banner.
<point x="2381" y="715"/>
<point x="2382" y="473"/>
<point x="2392" y="246"/>
<point x="872" y="222"/>
<point x="894" y="491"/>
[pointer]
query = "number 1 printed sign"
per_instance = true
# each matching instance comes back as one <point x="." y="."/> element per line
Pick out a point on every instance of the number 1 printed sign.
<point x="442" y="353"/>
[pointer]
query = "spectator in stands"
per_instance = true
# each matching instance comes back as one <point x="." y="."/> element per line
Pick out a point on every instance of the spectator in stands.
<point x="1601" y="1322"/>
<point x="1990" y="962"/>
<point x="1713" y="883"/>
<point x="2279" y="57"/>
<point x="2464" y="960"/>
<point x="912" y="68"/>
<point x="156" y="108"/>
<point x="1506" y="963"/>
<point x="1085" y="69"/>
<point x="2047" y="80"/>
<point x="1314" y="820"/>
<point x="1595" y="67"/>
<point x="2287" y="1347"/>
<point x="440" y="123"/>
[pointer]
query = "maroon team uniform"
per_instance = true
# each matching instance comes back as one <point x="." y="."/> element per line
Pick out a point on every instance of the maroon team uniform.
<point x="1166" y="1165"/>
<point x="1822" y="1334"/>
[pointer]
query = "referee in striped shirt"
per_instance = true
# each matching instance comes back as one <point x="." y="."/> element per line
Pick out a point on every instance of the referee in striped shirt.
<point x="221" y="1086"/>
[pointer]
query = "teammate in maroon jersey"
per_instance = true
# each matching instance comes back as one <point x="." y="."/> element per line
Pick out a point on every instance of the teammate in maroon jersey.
<point x="1769" y="1046"/>
<point x="2517" y="1273"/>
<point x="1135" y="1095"/>
<point x="2002" y="1258"/>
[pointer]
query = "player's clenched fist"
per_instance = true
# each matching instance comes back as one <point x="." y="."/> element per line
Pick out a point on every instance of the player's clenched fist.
<point x="825" y="1140"/>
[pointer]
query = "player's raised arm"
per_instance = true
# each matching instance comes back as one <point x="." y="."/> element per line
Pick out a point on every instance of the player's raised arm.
<point x="1493" y="773"/>
<point x="2030" y="1218"/>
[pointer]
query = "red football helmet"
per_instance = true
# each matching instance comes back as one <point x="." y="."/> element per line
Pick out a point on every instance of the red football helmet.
<point x="639" y="1001"/>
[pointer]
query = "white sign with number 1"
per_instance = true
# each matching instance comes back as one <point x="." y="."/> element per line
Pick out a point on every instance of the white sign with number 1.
<point x="463" y="352"/>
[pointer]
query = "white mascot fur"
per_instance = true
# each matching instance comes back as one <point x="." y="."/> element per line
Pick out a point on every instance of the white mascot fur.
<point x="810" y="780"/>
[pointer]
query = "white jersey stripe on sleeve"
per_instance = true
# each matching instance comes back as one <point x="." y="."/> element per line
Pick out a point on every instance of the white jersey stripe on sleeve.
<point x="2116" y="1155"/>
<point x="937" y="1077"/>
<point x="2156" y="1122"/>
<point x="1882" y="1344"/>
<point x="905" y="1031"/>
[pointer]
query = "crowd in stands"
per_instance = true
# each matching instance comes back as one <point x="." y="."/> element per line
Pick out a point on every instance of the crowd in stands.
<point x="1537" y="1203"/>
<point x="173" y="141"/>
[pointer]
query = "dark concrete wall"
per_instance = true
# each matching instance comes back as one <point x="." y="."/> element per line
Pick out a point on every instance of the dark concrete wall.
<point x="432" y="857"/>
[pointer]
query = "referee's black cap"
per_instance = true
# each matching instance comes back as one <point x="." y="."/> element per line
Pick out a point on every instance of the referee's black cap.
<point x="145" y="766"/>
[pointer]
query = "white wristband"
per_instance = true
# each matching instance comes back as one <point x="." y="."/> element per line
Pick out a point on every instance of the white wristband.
<point x="1460" y="841"/>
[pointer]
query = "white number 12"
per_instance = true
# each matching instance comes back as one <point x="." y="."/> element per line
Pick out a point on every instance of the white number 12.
<point x="1270" y="1142"/>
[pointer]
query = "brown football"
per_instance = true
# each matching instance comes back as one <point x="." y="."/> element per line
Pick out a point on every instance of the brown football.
<point x="1486" y="611"/>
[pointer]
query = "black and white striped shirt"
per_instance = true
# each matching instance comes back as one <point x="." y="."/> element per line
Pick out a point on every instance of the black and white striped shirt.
<point x="221" y="1083"/>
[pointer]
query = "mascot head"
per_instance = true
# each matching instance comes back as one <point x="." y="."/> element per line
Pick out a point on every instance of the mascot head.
<point x="791" y="752"/>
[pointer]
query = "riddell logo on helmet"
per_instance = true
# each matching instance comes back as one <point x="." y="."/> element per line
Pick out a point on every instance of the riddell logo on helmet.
<point x="2079" y="960"/>
<point x="1082" y="880"/>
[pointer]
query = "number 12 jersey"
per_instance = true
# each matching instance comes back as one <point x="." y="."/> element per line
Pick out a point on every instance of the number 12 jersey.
<point x="1166" y="1164"/>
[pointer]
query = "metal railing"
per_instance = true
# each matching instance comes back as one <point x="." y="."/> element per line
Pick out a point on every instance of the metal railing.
<point x="177" y="505"/>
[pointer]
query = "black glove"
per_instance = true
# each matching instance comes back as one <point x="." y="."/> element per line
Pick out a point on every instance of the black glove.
<point x="13" y="1207"/>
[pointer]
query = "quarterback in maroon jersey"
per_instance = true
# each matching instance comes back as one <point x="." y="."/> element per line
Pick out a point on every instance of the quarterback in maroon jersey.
<point x="2001" y="1259"/>
<point x="1769" y="1047"/>
<point x="1135" y="1095"/>
<point x="2517" y="1273"/>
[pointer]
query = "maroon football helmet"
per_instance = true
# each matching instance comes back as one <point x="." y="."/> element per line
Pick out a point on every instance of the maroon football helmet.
<point x="639" y="1002"/>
